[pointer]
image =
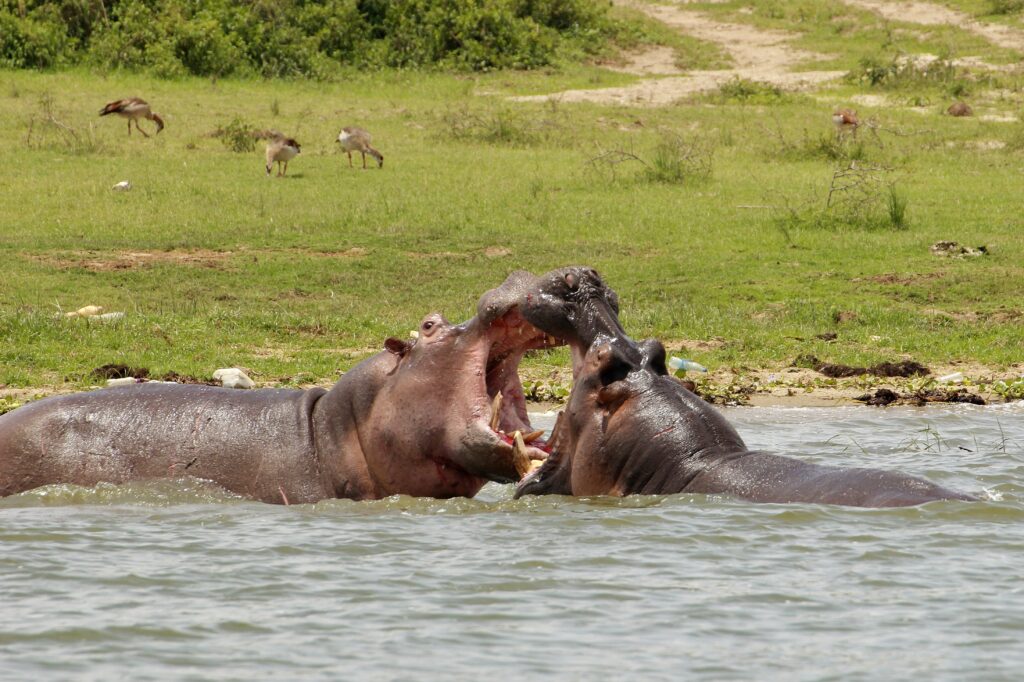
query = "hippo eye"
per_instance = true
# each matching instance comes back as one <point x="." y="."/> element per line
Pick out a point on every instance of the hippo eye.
<point x="428" y="325"/>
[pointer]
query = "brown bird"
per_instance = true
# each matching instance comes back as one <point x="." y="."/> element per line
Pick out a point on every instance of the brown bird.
<point x="846" y="121"/>
<point x="133" y="109"/>
<point x="353" y="139"/>
<point x="282" y="150"/>
<point x="960" y="109"/>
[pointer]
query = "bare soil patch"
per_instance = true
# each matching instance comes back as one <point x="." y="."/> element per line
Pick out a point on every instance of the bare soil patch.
<point x="95" y="261"/>
<point x="757" y="55"/>
<point x="930" y="14"/>
<point x="653" y="61"/>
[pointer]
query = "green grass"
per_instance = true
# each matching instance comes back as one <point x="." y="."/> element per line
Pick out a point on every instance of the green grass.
<point x="299" y="278"/>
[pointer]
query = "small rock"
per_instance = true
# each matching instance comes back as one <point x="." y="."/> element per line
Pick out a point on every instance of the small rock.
<point x="232" y="377"/>
<point x="960" y="109"/>
<point x="123" y="381"/>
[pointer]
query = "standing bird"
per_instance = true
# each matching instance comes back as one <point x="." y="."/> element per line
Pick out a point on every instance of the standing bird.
<point x="355" y="139"/>
<point x="846" y="121"/>
<point x="133" y="109"/>
<point x="282" y="150"/>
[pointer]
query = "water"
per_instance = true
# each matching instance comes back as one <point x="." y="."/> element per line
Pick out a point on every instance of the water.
<point x="173" y="581"/>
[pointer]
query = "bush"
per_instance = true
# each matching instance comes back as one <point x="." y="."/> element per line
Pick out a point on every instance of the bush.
<point x="302" y="38"/>
<point x="1005" y="6"/>
<point x="677" y="159"/>
<point x="35" y="42"/>
<point x="238" y="136"/>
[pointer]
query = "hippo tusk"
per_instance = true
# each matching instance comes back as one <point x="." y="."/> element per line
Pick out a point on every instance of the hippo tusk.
<point x="496" y="411"/>
<point x="533" y="435"/>
<point x="520" y="457"/>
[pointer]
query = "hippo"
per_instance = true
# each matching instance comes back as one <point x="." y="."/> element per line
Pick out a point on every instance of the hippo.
<point x="435" y="416"/>
<point x="630" y="428"/>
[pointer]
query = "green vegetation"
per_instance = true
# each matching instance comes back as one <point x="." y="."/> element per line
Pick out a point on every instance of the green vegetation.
<point x="737" y="225"/>
<point x="288" y="38"/>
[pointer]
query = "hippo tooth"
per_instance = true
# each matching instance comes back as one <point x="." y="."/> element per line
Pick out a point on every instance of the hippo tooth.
<point x="533" y="435"/>
<point x="496" y="411"/>
<point x="520" y="457"/>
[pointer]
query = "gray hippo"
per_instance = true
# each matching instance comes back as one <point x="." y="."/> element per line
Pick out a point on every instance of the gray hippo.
<point x="629" y="428"/>
<point x="436" y="416"/>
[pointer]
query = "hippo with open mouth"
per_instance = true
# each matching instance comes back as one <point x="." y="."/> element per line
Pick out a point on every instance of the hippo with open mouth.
<point x="438" y="415"/>
<point x="629" y="428"/>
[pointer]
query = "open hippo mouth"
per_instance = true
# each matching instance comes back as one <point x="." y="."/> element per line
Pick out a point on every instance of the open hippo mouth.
<point x="570" y="306"/>
<point x="510" y="337"/>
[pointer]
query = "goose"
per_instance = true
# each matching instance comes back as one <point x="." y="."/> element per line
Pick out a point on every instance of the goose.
<point x="846" y="121"/>
<point x="133" y="109"/>
<point x="353" y="139"/>
<point x="282" y="150"/>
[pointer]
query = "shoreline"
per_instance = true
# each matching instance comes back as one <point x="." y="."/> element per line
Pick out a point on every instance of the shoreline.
<point x="772" y="387"/>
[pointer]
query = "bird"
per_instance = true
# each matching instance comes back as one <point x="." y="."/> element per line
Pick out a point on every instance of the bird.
<point x="133" y="109"/>
<point x="960" y="109"/>
<point x="282" y="150"/>
<point x="353" y="139"/>
<point x="846" y="121"/>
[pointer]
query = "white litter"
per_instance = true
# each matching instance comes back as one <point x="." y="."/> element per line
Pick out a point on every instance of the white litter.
<point x="954" y="378"/>
<point x="232" y="377"/>
<point x="682" y="364"/>
<point x="107" y="317"/>
<point x="123" y="381"/>
<point x="122" y="186"/>
<point x="87" y="311"/>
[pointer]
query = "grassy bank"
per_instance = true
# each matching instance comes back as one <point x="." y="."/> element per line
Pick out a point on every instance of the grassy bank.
<point x="299" y="278"/>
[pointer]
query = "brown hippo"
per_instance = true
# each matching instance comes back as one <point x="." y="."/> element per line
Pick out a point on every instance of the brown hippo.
<point x="435" y="416"/>
<point x="629" y="428"/>
<point x="635" y="430"/>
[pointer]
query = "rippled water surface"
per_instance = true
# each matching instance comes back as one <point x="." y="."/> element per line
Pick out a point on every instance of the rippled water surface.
<point x="172" y="582"/>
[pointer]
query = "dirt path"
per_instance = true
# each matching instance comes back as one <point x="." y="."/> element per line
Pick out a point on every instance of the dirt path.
<point x="928" y="14"/>
<point x="757" y="55"/>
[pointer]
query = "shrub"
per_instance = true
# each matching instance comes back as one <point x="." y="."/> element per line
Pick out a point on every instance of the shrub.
<point x="1005" y="6"/>
<point x="677" y="159"/>
<point x="300" y="37"/>
<point x="238" y="136"/>
<point x="35" y="42"/>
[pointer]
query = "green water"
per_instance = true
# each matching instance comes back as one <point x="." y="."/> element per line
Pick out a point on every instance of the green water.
<point x="175" y="581"/>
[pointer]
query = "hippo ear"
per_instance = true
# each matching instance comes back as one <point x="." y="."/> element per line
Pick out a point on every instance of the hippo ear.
<point x="611" y="366"/>
<point x="654" y="356"/>
<point x="397" y="346"/>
